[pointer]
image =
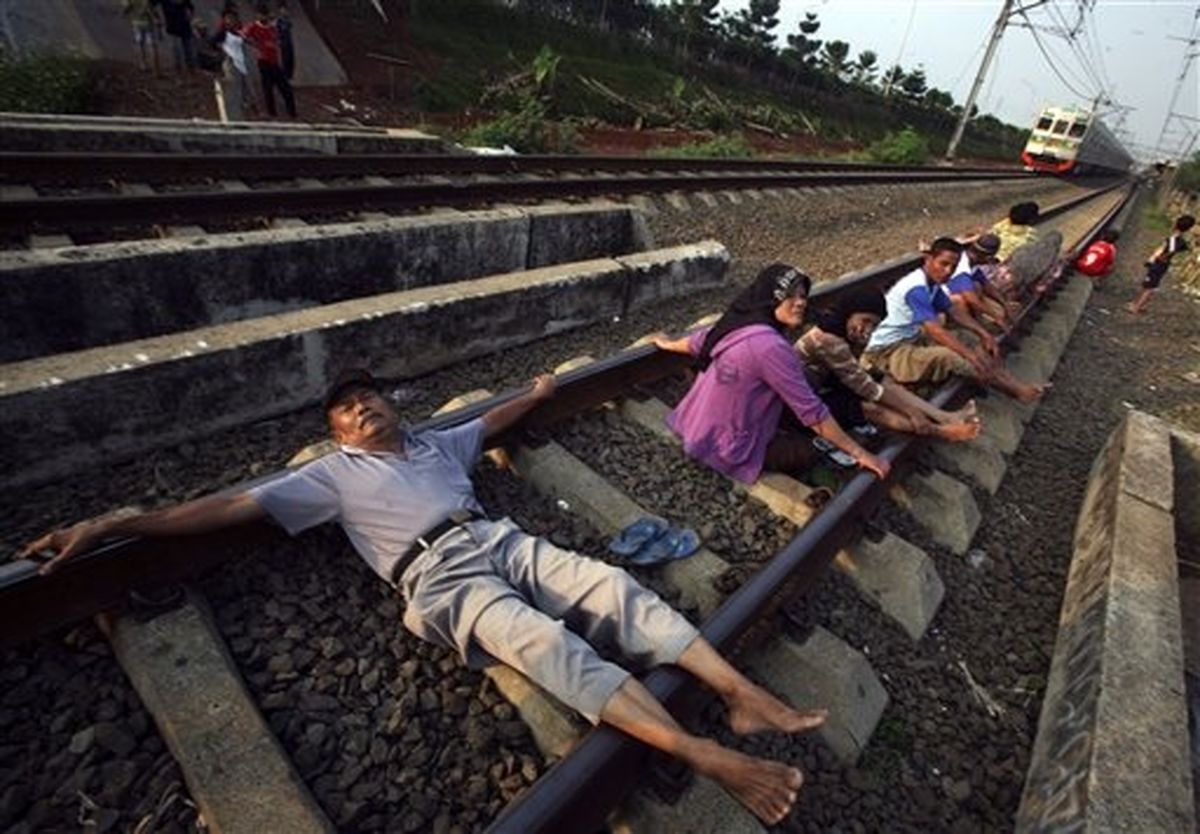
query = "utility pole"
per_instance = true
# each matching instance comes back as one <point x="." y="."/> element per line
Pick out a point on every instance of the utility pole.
<point x="993" y="42"/>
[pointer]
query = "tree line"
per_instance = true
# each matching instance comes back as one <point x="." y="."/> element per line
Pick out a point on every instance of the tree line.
<point x="749" y="39"/>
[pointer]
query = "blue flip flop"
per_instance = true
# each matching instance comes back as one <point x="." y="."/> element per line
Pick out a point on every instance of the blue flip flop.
<point x="674" y="544"/>
<point x="637" y="535"/>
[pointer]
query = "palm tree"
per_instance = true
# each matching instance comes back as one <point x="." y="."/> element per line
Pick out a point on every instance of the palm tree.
<point x="833" y="58"/>
<point x="865" y="67"/>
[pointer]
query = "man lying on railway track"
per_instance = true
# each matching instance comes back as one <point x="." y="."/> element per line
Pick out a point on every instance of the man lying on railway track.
<point x="912" y="346"/>
<point x="486" y="588"/>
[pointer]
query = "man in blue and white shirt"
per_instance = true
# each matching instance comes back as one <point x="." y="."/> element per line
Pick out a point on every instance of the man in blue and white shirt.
<point x="971" y="286"/>
<point x="912" y="345"/>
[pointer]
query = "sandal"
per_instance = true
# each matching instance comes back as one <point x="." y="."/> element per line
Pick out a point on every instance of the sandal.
<point x="672" y="545"/>
<point x="637" y="535"/>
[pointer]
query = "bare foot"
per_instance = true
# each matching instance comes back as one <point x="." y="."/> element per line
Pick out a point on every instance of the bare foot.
<point x="1033" y="392"/>
<point x="769" y="789"/>
<point x="969" y="413"/>
<point x="959" y="432"/>
<point x="753" y="709"/>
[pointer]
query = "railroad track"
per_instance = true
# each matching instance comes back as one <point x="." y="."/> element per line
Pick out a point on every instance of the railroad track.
<point x="582" y="788"/>
<point x="142" y="194"/>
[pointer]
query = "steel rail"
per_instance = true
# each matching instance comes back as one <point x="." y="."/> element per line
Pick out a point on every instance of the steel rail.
<point x="107" y="210"/>
<point x="30" y="167"/>
<point x="579" y="791"/>
<point x="31" y="605"/>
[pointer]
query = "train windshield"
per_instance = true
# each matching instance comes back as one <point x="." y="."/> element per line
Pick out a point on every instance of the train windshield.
<point x="1078" y="129"/>
<point x="1060" y="127"/>
<point x="1044" y="123"/>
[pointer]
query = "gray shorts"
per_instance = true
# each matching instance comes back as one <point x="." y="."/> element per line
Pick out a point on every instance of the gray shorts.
<point x="496" y="593"/>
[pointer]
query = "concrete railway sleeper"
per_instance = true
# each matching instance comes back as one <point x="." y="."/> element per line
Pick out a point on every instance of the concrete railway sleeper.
<point x="603" y="760"/>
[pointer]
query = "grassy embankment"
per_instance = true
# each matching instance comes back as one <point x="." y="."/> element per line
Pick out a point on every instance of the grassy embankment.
<point x="466" y="45"/>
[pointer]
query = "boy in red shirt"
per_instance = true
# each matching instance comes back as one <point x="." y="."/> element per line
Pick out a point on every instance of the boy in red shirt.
<point x="263" y="36"/>
<point x="1098" y="260"/>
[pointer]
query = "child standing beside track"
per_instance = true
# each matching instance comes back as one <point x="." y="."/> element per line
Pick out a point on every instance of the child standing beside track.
<point x="1157" y="263"/>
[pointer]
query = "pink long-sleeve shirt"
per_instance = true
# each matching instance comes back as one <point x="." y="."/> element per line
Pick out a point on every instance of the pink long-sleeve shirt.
<point x="732" y="411"/>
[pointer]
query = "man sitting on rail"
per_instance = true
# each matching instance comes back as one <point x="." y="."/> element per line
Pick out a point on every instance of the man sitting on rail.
<point x="971" y="287"/>
<point x="901" y="345"/>
<point x="486" y="588"/>
<point x="1026" y="254"/>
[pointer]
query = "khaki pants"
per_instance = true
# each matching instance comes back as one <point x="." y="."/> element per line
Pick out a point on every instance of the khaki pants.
<point x="910" y="362"/>
<point x="493" y="591"/>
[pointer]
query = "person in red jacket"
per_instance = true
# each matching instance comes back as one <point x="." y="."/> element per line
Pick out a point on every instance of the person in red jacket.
<point x="263" y="36"/>
<point x="1099" y="258"/>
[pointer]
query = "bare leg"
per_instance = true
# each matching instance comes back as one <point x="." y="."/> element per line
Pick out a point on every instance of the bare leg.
<point x="1005" y="382"/>
<point x="1139" y="303"/>
<point x="752" y="709"/>
<point x="951" y="430"/>
<point x="898" y="398"/>
<point x="769" y="789"/>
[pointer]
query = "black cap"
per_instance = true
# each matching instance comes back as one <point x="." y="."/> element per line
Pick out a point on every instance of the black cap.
<point x="347" y="379"/>
<point x="988" y="244"/>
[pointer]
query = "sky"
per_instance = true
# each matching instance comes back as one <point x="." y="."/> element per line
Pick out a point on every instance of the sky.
<point x="1126" y="42"/>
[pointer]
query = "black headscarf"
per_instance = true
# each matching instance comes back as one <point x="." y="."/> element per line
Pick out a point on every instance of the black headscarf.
<point x="755" y="305"/>
<point x="834" y="319"/>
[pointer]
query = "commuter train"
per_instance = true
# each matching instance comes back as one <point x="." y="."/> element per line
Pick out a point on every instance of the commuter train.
<point x="1067" y="141"/>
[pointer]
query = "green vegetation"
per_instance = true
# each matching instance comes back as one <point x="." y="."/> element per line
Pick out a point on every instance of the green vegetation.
<point x="733" y="146"/>
<point x="525" y="130"/>
<point x="47" y="84"/>
<point x="904" y="148"/>
<point x="1156" y="220"/>
<point x="1188" y="178"/>
<point x="644" y="64"/>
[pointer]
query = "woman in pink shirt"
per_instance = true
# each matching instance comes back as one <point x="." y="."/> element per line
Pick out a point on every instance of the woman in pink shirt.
<point x="749" y="371"/>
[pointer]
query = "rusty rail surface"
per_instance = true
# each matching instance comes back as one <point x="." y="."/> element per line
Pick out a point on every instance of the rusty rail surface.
<point x="90" y="211"/>
<point x="31" y="605"/>
<point x="70" y="168"/>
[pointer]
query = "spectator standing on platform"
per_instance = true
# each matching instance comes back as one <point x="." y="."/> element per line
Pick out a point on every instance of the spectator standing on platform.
<point x="264" y="37"/>
<point x="238" y="88"/>
<point x="177" y="21"/>
<point x="145" y="31"/>
<point x="287" y="49"/>
<point x="1157" y="263"/>
<point x="913" y="346"/>
<point x="1099" y="258"/>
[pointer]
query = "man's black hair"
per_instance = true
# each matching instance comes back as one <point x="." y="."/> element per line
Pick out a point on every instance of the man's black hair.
<point x="1184" y="223"/>
<point x="1024" y="214"/>
<point x="1110" y="236"/>
<point x="944" y="244"/>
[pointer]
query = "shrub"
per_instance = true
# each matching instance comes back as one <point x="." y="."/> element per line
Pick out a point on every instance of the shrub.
<point x="47" y="84"/>
<point x="904" y="148"/>
<point x="525" y="130"/>
<point x="732" y="146"/>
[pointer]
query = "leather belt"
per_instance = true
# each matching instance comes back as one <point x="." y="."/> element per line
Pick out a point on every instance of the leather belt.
<point x="429" y="538"/>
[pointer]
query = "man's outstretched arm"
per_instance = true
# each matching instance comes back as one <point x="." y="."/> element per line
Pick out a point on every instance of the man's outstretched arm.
<point x="502" y="416"/>
<point x="213" y="512"/>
